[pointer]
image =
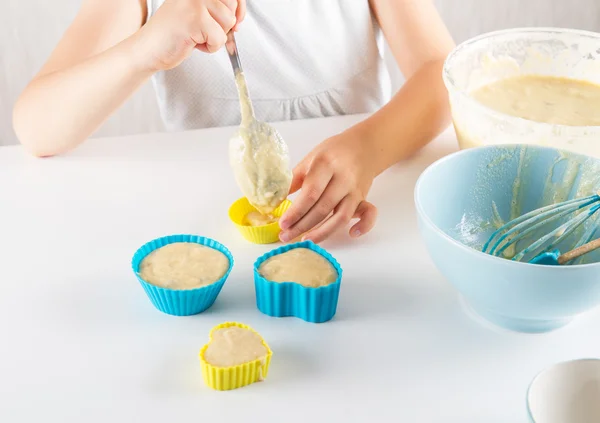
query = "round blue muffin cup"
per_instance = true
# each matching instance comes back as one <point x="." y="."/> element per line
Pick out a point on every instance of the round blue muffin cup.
<point x="284" y="299"/>
<point x="184" y="302"/>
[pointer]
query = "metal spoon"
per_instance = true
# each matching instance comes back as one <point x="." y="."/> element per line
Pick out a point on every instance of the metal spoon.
<point x="257" y="152"/>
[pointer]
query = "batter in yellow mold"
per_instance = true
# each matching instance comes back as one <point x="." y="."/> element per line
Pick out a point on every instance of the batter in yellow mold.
<point x="255" y="218"/>
<point x="233" y="346"/>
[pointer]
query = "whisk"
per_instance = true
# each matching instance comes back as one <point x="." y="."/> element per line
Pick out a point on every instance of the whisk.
<point x="508" y="235"/>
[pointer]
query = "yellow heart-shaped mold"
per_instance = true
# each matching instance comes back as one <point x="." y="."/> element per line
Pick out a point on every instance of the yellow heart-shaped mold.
<point x="233" y="377"/>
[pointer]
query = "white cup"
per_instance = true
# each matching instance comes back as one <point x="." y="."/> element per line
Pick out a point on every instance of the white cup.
<point x="567" y="392"/>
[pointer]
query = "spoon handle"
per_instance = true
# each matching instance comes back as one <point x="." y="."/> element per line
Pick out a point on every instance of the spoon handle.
<point x="577" y="252"/>
<point x="232" y="51"/>
<point x="246" y="108"/>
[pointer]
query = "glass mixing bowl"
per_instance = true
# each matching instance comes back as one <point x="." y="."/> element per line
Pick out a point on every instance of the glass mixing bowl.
<point x="525" y="51"/>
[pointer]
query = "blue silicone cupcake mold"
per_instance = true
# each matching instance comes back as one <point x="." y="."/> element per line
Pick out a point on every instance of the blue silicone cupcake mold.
<point x="284" y="299"/>
<point x="183" y="302"/>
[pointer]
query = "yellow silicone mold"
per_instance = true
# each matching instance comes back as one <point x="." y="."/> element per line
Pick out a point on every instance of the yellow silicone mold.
<point x="266" y="234"/>
<point x="233" y="377"/>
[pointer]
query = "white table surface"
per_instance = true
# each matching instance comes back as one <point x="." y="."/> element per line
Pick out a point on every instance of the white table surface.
<point x="80" y="342"/>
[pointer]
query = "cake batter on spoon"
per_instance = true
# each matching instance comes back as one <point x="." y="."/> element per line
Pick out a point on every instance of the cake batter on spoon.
<point x="258" y="155"/>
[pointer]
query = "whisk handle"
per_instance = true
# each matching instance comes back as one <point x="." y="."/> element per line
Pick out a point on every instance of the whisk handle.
<point x="577" y="252"/>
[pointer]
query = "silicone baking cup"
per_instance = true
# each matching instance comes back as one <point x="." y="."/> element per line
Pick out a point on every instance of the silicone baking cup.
<point x="184" y="302"/>
<point x="283" y="299"/>
<point x="266" y="234"/>
<point x="227" y="378"/>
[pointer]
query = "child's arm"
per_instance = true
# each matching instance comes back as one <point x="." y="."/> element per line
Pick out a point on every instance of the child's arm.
<point x="104" y="57"/>
<point x="420" y="111"/>
<point x="337" y="175"/>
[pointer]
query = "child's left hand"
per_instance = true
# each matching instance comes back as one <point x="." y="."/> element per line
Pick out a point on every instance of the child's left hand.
<point x="334" y="177"/>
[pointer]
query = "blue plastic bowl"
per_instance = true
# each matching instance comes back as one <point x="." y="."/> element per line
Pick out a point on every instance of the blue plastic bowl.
<point x="454" y="199"/>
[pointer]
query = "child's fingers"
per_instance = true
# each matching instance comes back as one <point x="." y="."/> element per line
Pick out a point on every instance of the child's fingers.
<point x="329" y="200"/>
<point x="367" y="215"/>
<point x="314" y="184"/>
<point x="297" y="180"/>
<point x="210" y="35"/>
<point x="341" y="216"/>
<point x="222" y="15"/>
<point x="298" y="176"/>
<point x="231" y="4"/>
<point x="240" y="13"/>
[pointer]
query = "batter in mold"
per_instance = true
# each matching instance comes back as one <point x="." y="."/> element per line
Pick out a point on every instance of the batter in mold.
<point x="255" y="218"/>
<point x="299" y="265"/>
<point x="183" y="265"/>
<point x="233" y="346"/>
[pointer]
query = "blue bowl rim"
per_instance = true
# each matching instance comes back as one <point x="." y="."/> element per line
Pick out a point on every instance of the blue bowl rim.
<point x="540" y="373"/>
<point x="197" y="239"/>
<point x="468" y="151"/>
<point x="303" y="244"/>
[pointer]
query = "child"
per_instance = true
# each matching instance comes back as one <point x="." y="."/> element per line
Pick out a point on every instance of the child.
<point x="303" y="58"/>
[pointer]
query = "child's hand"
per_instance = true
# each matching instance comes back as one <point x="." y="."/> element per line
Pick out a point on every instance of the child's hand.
<point x="334" y="177"/>
<point x="180" y="26"/>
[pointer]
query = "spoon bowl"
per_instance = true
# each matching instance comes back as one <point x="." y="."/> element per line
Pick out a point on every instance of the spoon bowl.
<point x="257" y="153"/>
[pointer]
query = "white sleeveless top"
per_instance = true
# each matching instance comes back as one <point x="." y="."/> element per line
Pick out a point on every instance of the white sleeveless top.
<point x="301" y="58"/>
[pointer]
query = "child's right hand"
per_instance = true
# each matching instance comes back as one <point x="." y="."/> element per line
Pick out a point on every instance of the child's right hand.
<point x="180" y="26"/>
